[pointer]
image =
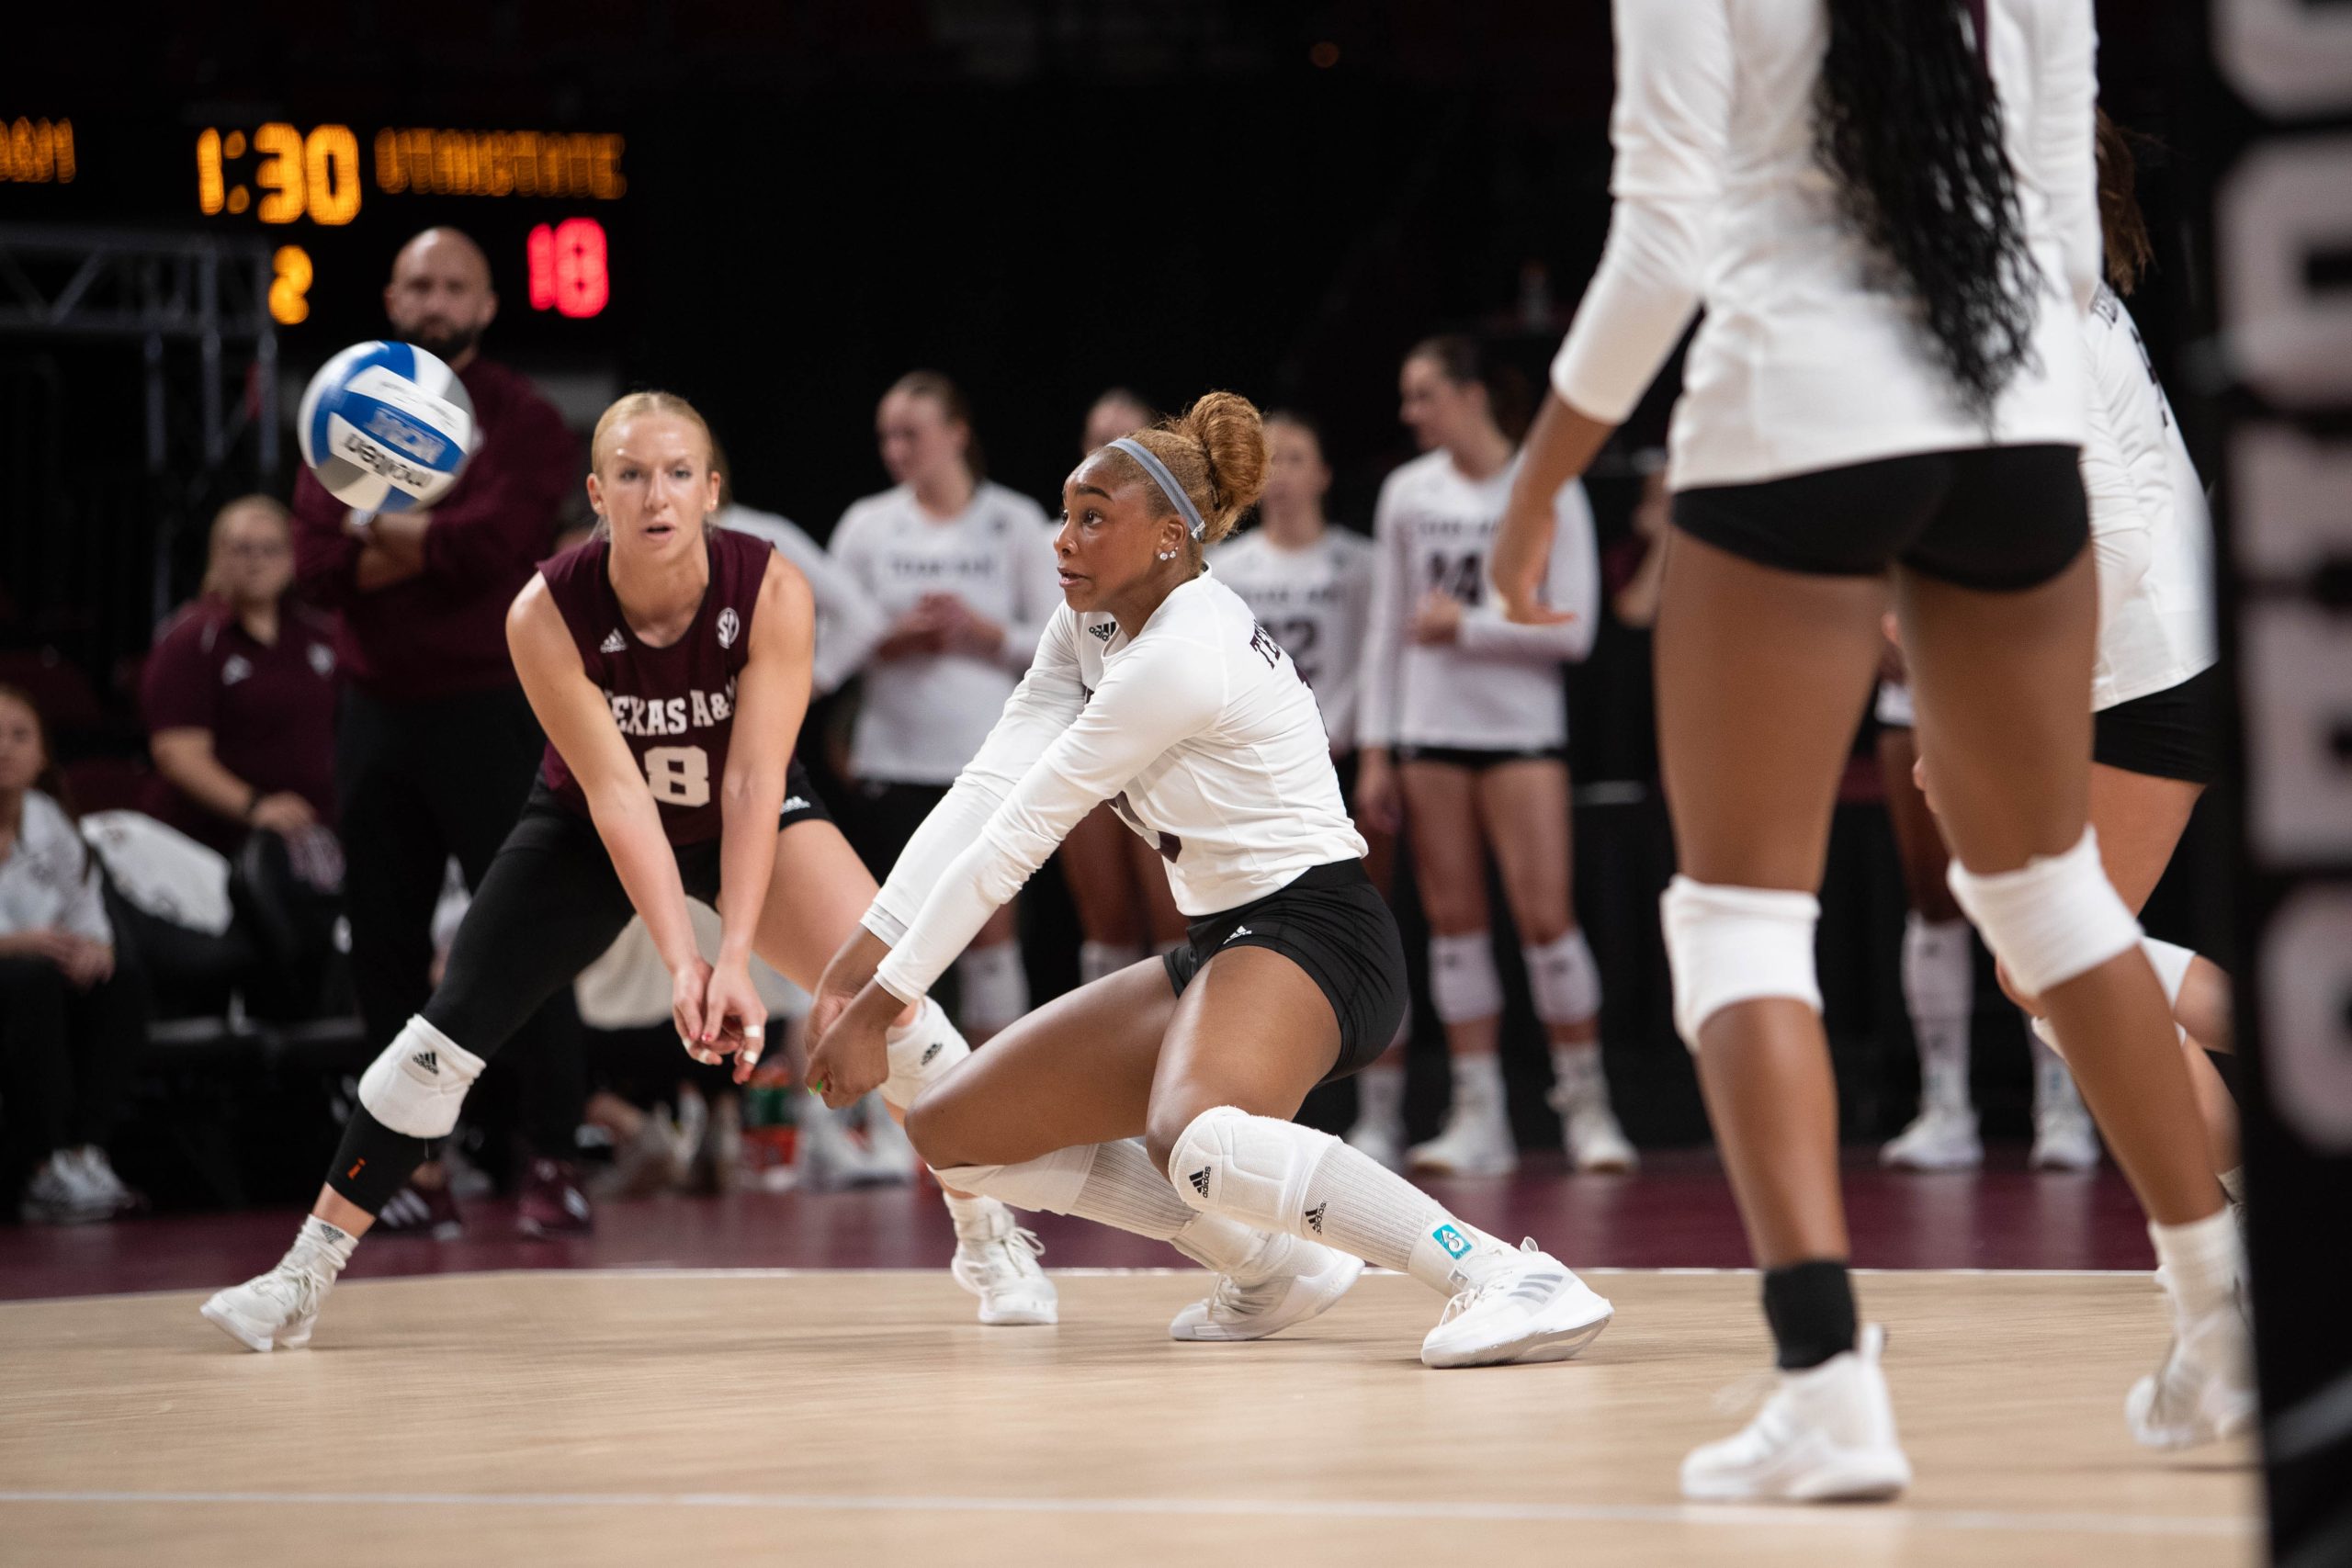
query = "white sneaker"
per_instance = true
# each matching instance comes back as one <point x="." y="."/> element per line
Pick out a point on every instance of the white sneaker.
<point x="2204" y="1390"/>
<point x="1594" y="1140"/>
<point x="2065" y="1139"/>
<point x="826" y="1159"/>
<point x="97" y="1176"/>
<point x="1002" y="1271"/>
<point x="272" y="1310"/>
<point x="1941" y="1138"/>
<point x="888" y="1147"/>
<point x="1311" y="1280"/>
<point x="1477" y="1141"/>
<point x="1382" y="1141"/>
<point x="1531" y="1308"/>
<point x="1826" y="1434"/>
<point x="58" y="1194"/>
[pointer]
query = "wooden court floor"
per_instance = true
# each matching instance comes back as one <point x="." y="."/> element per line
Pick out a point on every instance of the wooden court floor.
<point x="723" y="1418"/>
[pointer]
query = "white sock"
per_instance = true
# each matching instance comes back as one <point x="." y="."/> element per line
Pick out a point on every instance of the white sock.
<point x="1117" y="1184"/>
<point x="1576" y="1075"/>
<point x="320" y="1249"/>
<point x="2054" y="1084"/>
<point x="979" y="1219"/>
<point x="1938" y="989"/>
<point x="1097" y="959"/>
<point x="995" y="986"/>
<point x="1380" y="1095"/>
<point x="2202" y="1261"/>
<point x="1478" y="1081"/>
<point x="1273" y="1175"/>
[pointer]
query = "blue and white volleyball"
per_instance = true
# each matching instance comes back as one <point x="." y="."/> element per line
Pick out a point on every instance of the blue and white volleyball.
<point x="385" y="426"/>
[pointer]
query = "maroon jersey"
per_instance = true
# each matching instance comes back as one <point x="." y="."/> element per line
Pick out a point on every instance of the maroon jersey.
<point x="675" y="706"/>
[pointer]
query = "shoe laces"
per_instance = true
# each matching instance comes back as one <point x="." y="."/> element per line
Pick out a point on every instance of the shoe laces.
<point x="1005" y="1258"/>
<point x="293" y="1285"/>
<point x="1513" y="1280"/>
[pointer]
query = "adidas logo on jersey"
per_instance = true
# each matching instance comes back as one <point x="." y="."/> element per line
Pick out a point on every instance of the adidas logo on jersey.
<point x="429" y="1060"/>
<point x="1200" y="1180"/>
<point x="1315" y="1218"/>
<point x="1104" y="632"/>
<point x="614" y="642"/>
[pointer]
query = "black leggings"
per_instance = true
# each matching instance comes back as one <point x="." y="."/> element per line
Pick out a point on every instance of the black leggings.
<point x="1998" y="519"/>
<point x="68" y="1054"/>
<point x="547" y="908"/>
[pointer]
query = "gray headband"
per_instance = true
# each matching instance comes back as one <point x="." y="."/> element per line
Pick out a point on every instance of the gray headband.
<point x="1167" y="482"/>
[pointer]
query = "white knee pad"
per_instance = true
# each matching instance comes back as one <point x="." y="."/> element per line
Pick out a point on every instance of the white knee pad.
<point x="1230" y="1162"/>
<point x="2054" y="917"/>
<point x="417" y="1084"/>
<point x="1097" y="959"/>
<point x="995" y="986"/>
<point x="920" y="1052"/>
<point x="1938" y="967"/>
<point x="1563" y="979"/>
<point x="2169" y="960"/>
<point x="1736" y="944"/>
<point x="1051" y="1182"/>
<point x="1462" y="982"/>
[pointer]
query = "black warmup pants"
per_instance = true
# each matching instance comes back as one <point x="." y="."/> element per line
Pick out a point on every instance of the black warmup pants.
<point x="419" y="783"/>
<point x="67" y="1055"/>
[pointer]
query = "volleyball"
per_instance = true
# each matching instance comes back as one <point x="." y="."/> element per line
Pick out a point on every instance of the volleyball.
<point x="385" y="426"/>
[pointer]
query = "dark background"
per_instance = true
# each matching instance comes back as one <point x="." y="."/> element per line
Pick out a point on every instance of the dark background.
<point x="1041" y="198"/>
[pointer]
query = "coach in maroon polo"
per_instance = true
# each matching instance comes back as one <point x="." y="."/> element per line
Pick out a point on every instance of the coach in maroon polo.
<point x="436" y="747"/>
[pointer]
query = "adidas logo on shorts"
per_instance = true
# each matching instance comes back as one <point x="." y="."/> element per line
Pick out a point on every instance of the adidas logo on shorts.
<point x="1200" y="1180"/>
<point x="614" y="642"/>
<point x="1315" y="1218"/>
<point x="794" y="803"/>
<point x="429" y="1060"/>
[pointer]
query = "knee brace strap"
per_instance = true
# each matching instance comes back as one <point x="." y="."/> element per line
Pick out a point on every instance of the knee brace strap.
<point x="2171" y="962"/>
<point x="1462" y="982"/>
<point x="1563" y="979"/>
<point x="2053" y="918"/>
<point x="920" y="1051"/>
<point x="1051" y="1182"/>
<point x="1736" y="944"/>
<point x="417" y="1084"/>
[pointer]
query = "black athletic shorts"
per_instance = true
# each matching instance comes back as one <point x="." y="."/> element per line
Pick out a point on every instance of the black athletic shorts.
<point x="883" y="816"/>
<point x="1993" y="518"/>
<point x="1334" y="924"/>
<point x="549" y="906"/>
<point x="2172" y="734"/>
<point x="1478" y="759"/>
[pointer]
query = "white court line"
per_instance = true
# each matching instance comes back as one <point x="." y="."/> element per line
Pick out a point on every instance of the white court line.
<point x="1710" y="1515"/>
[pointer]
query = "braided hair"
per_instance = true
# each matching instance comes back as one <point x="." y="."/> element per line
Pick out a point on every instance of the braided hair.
<point x="1907" y="122"/>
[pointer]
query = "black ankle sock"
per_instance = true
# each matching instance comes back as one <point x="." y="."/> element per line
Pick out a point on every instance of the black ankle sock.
<point x="374" y="1161"/>
<point x="1811" y="1308"/>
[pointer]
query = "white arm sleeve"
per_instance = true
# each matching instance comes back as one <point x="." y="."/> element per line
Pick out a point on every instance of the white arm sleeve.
<point x="2064" y="151"/>
<point x="849" y="623"/>
<point x="2124" y="539"/>
<point x="1571" y="583"/>
<point x="1383" y="626"/>
<point x="1674" y="86"/>
<point x="1036" y="590"/>
<point x="1040" y="708"/>
<point x="1148" y="701"/>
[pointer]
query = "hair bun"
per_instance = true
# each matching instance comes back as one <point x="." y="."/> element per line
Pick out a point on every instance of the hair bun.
<point x="1232" y="434"/>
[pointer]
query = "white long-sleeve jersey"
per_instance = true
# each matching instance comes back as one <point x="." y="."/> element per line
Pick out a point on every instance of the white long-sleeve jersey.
<point x="849" y="623"/>
<point x="1199" y="731"/>
<point x="1811" y="355"/>
<point x="1499" y="686"/>
<point x="2149" y="522"/>
<point x="923" y="716"/>
<point x="1316" y="602"/>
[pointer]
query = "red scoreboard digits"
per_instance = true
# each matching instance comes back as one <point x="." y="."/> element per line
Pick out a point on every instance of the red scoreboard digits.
<point x="567" y="267"/>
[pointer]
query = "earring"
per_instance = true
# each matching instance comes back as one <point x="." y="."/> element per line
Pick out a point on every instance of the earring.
<point x="1168" y="555"/>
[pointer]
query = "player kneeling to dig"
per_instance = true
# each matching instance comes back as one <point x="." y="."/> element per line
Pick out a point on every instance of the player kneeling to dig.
<point x="1158" y="1099"/>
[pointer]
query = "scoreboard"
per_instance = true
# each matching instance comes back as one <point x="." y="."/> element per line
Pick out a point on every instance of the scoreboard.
<point x="337" y="198"/>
